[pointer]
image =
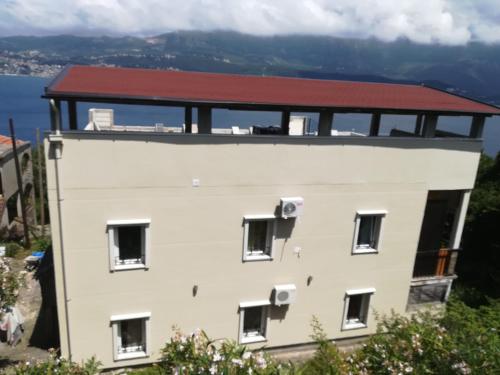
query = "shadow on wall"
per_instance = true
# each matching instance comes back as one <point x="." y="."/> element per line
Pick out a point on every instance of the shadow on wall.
<point x="46" y="332"/>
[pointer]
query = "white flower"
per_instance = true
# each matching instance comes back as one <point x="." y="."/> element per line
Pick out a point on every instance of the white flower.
<point x="237" y="362"/>
<point x="213" y="369"/>
<point x="217" y="357"/>
<point x="408" y="369"/>
<point x="247" y="355"/>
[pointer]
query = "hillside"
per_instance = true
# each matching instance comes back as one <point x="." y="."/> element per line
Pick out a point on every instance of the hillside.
<point x="472" y="70"/>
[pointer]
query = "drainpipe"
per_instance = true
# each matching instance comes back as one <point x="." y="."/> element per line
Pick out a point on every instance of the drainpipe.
<point x="55" y="139"/>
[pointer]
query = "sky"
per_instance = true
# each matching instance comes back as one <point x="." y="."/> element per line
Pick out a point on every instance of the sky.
<point x="449" y="22"/>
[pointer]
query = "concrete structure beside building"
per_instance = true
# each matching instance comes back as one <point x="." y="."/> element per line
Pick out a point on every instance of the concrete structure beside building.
<point x="249" y="233"/>
<point x="10" y="202"/>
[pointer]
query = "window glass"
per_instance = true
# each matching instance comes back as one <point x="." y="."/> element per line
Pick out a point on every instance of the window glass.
<point x="367" y="235"/>
<point x="252" y="324"/>
<point x="354" y="308"/>
<point x="132" y="335"/>
<point x="257" y="237"/>
<point x="130" y="243"/>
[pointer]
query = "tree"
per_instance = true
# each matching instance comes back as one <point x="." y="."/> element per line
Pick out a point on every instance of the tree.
<point x="479" y="263"/>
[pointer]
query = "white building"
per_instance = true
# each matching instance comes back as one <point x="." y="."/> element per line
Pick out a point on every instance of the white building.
<point x="249" y="235"/>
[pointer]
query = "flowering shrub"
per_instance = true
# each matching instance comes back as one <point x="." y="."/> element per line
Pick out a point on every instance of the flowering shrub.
<point x="10" y="282"/>
<point x="197" y="354"/>
<point x="415" y="345"/>
<point x="57" y="365"/>
<point x="461" y="341"/>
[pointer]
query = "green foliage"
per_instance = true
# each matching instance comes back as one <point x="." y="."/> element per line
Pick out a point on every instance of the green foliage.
<point x="10" y="282"/>
<point x="479" y="264"/>
<point x="152" y="370"/>
<point x="41" y="243"/>
<point x="416" y="345"/>
<point x="327" y="359"/>
<point x="197" y="354"/>
<point x="12" y="249"/>
<point x="36" y="154"/>
<point x="58" y="365"/>
<point x="474" y="334"/>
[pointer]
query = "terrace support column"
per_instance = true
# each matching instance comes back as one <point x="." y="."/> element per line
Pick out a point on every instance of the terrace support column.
<point x="476" y="128"/>
<point x="325" y="123"/>
<point x="72" y="115"/>
<point x="457" y="230"/>
<point x="188" y="119"/>
<point x="375" y="125"/>
<point x="430" y="123"/>
<point x="418" y="124"/>
<point x="285" y="122"/>
<point x="204" y="120"/>
<point x="55" y="115"/>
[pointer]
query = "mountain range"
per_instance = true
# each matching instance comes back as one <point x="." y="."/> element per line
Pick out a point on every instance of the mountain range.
<point x="472" y="70"/>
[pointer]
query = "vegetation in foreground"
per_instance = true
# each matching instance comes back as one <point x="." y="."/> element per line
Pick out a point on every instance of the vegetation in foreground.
<point x="462" y="340"/>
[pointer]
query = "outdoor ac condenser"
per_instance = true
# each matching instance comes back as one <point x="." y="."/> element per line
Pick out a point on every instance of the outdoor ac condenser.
<point x="292" y="207"/>
<point x="284" y="294"/>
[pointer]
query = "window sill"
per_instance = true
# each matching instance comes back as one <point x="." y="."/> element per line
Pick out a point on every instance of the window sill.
<point x="256" y="258"/>
<point x="350" y="326"/>
<point x="133" y="355"/>
<point x="252" y="339"/>
<point x="364" y="250"/>
<point x="124" y="267"/>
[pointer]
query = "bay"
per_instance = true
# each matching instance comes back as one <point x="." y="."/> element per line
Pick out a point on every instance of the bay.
<point x="20" y="99"/>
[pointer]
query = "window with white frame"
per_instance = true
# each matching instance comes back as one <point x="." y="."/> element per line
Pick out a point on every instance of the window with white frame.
<point x="128" y="244"/>
<point x="130" y="335"/>
<point x="368" y="231"/>
<point x="253" y="321"/>
<point x="357" y="304"/>
<point x="258" y="237"/>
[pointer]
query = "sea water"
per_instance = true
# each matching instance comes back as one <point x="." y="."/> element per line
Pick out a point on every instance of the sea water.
<point x="20" y="99"/>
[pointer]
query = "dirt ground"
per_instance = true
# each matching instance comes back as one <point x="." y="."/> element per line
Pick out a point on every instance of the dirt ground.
<point x="29" y="303"/>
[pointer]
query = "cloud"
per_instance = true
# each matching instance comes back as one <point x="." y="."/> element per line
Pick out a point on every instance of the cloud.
<point x="451" y="22"/>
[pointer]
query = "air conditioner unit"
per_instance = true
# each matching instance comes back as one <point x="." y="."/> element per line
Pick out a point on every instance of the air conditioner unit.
<point x="292" y="207"/>
<point x="284" y="294"/>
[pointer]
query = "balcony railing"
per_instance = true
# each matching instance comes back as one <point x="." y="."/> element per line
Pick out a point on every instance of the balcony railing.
<point x="435" y="263"/>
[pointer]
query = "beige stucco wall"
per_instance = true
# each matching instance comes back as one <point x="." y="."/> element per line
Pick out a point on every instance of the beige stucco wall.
<point x="197" y="233"/>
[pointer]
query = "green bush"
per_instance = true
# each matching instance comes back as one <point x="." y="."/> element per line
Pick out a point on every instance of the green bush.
<point x="10" y="282"/>
<point x="12" y="248"/>
<point x="57" y="365"/>
<point x="327" y="359"/>
<point x="41" y="244"/>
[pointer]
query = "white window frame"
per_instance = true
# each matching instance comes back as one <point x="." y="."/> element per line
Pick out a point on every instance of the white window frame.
<point x="380" y="214"/>
<point x="271" y="235"/>
<point x="114" y="250"/>
<point x="244" y="339"/>
<point x="365" y="308"/>
<point x="116" y="330"/>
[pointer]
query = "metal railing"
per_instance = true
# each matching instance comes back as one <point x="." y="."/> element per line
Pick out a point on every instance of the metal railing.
<point x="435" y="262"/>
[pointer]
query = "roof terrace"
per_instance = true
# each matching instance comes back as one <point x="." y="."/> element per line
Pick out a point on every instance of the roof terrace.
<point x="205" y="92"/>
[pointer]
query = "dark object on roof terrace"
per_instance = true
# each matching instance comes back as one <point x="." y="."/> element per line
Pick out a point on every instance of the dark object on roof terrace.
<point x="267" y="130"/>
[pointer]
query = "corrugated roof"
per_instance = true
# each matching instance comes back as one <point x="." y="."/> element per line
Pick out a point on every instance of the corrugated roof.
<point x="7" y="141"/>
<point x="104" y="83"/>
<point x="6" y="145"/>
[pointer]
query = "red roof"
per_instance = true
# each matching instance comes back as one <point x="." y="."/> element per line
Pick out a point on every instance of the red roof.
<point x="8" y="141"/>
<point x="104" y="83"/>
